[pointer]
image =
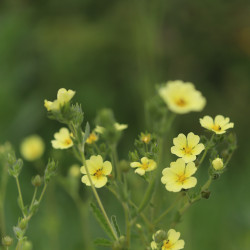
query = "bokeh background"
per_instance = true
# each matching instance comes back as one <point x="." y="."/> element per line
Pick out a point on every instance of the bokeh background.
<point x="113" y="53"/>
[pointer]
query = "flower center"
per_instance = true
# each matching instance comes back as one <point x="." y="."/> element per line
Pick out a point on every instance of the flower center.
<point x="167" y="244"/>
<point x="68" y="141"/>
<point x="144" y="166"/>
<point x="98" y="173"/>
<point x="182" y="178"/>
<point x="216" y="127"/>
<point x="181" y="102"/>
<point x="92" y="138"/>
<point x="187" y="150"/>
<point x="146" y="139"/>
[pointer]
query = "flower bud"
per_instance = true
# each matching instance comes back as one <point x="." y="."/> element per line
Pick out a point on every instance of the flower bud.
<point x="205" y="194"/>
<point x="124" y="166"/>
<point x="218" y="164"/>
<point x="7" y="241"/>
<point x="37" y="181"/>
<point x="159" y="236"/>
<point x="74" y="171"/>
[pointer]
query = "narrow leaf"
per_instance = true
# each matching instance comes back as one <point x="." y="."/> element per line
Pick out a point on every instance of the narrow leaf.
<point x="103" y="242"/>
<point x="115" y="224"/>
<point x="102" y="221"/>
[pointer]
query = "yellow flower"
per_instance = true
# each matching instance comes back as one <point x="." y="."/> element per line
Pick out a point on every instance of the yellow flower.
<point x="172" y="242"/>
<point x="32" y="148"/>
<point x="179" y="176"/>
<point x="187" y="147"/>
<point x="181" y="97"/>
<point x="146" y="165"/>
<point x="146" y="138"/>
<point x="218" y="164"/>
<point x="120" y="127"/>
<point x="99" y="129"/>
<point x="98" y="171"/>
<point x="153" y="245"/>
<point x="92" y="138"/>
<point x="63" y="97"/>
<point x="62" y="139"/>
<point x="219" y="125"/>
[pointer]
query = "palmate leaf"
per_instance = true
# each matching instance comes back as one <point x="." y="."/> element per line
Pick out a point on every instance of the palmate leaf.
<point x="103" y="242"/>
<point x="101" y="220"/>
<point x="115" y="224"/>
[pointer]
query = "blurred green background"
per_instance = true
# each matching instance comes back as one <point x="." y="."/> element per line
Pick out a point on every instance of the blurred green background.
<point x="113" y="53"/>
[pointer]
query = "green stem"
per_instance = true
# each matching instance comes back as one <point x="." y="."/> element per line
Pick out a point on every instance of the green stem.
<point x="20" y="195"/>
<point x="97" y="196"/>
<point x="115" y="161"/>
<point x="33" y="198"/>
<point x="126" y="212"/>
<point x="168" y="210"/>
<point x="43" y="191"/>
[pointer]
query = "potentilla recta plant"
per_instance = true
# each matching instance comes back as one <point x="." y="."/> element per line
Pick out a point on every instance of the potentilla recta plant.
<point x="151" y="221"/>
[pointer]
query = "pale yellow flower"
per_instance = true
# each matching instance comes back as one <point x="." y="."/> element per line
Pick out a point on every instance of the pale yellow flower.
<point x="172" y="242"/>
<point x="219" y="125"/>
<point x="179" y="176"/>
<point x="120" y="127"/>
<point x="146" y="165"/>
<point x="63" y="139"/>
<point x="92" y="138"/>
<point x="218" y="164"/>
<point x="99" y="129"/>
<point x="181" y="97"/>
<point x="32" y="148"/>
<point x="98" y="171"/>
<point x="146" y="138"/>
<point x="63" y="97"/>
<point x="153" y="245"/>
<point x="187" y="147"/>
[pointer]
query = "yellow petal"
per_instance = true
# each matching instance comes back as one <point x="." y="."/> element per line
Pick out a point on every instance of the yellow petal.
<point x="190" y="169"/>
<point x="198" y="149"/>
<point x="135" y="164"/>
<point x="107" y="168"/>
<point x="180" y="141"/>
<point x="173" y="236"/>
<point x="140" y="171"/>
<point x="192" y="140"/>
<point x="189" y="183"/>
<point x="178" y="245"/>
<point x="178" y="167"/>
<point x="100" y="181"/>
<point x="207" y="122"/>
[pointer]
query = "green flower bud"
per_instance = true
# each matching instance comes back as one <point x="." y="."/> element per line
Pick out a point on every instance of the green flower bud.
<point x="22" y="224"/>
<point x="124" y="166"/>
<point x="205" y="194"/>
<point x="37" y="181"/>
<point x="218" y="164"/>
<point x="159" y="236"/>
<point x="27" y="245"/>
<point x="7" y="241"/>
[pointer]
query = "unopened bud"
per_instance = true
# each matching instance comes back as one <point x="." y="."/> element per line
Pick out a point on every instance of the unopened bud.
<point x="37" y="181"/>
<point x="159" y="236"/>
<point x="205" y="194"/>
<point x="124" y="166"/>
<point x="7" y="241"/>
<point x="218" y="164"/>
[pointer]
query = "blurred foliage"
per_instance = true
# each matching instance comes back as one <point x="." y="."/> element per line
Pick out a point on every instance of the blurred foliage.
<point x="113" y="53"/>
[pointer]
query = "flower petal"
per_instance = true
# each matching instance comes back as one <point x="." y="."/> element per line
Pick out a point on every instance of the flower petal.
<point x="178" y="167"/>
<point x="173" y="236"/>
<point x="107" y="168"/>
<point x="198" y="149"/>
<point x="179" y="245"/>
<point x="140" y="171"/>
<point x="135" y="164"/>
<point x="101" y="181"/>
<point x="190" y="169"/>
<point x="189" y="183"/>
<point x="180" y="141"/>
<point x="192" y="140"/>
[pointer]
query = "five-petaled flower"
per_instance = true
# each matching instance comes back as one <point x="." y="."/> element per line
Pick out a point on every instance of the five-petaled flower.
<point x="179" y="176"/>
<point x="172" y="241"/>
<point x="181" y="97"/>
<point x="63" y="139"/>
<point x="187" y="147"/>
<point x="63" y="97"/>
<point x="146" y="165"/>
<point x="92" y="138"/>
<point x="219" y="125"/>
<point x="146" y="138"/>
<point x="98" y="171"/>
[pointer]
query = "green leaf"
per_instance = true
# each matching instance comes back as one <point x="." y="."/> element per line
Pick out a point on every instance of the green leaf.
<point x="103" y="242"/>
<point x="102" y="221"/>
<point x="86" y="133"/>
<point x="115" y="224"/>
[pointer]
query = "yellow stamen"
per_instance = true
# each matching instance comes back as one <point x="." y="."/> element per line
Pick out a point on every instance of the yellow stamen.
<point x="181" y="102"/>
<point x="144" y="166"/>
<point x="216" y="127"/>
<point x="187" y="150"/>
<point x="167" y="244"/>
<point x="98" y="173"/>
<point x="182" y="178"/>
<point x="92" y="138"/>
<point x="68" y="141"/>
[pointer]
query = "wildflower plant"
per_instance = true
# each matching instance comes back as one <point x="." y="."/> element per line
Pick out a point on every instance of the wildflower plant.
<point x="153" y="215"/>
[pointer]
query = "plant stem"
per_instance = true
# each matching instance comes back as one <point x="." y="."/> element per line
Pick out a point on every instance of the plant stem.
<point x="126" y="212"/>
<point x="20" y="195"/>
<point x="97" y="196"/>
<point x="43" y="191"/>
<point x="115" y="162"/>
<point x="33" y="199"/>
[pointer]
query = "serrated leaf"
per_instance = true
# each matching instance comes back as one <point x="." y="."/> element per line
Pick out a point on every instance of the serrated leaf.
<point x="115" y="224"/>
<point x="102" y="221"/>
<point x="103" y="242"/>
